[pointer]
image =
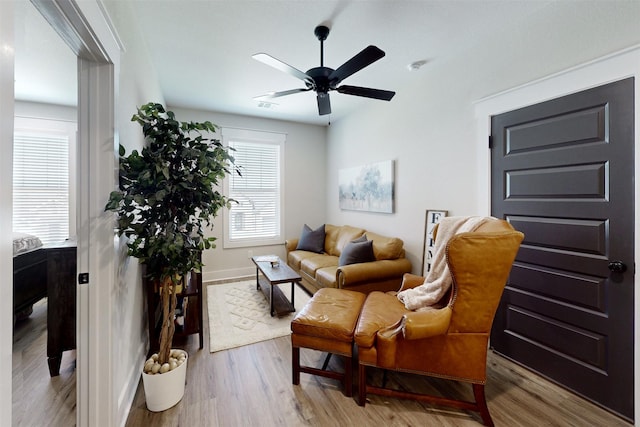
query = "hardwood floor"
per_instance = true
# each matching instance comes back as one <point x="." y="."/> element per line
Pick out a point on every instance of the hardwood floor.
<point x="251" y="385"/>
<point x="38" y="399"/>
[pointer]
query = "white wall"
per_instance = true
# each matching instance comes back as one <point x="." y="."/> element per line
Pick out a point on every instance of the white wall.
<point x="138" y="85"/>
<point x="45" y="111"/>
<point x="429" y="127"/>
<point x="304" y="188"/>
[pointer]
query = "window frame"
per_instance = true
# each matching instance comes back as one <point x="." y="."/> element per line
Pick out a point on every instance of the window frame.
<point x="230" y="135"/>
<point x="27" y="124"/>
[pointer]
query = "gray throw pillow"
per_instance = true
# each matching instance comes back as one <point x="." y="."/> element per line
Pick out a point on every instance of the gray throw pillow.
<point x="360" y="239"/>
<point x="311" y="240"/>
<point x="356" y="252"/>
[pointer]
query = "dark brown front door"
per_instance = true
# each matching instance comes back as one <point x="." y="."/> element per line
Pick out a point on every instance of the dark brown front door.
<point x="562" y="173"/>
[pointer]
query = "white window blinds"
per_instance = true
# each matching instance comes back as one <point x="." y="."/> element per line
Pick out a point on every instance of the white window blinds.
<point x="256" y="218"/>
<point x="41" y="194"/>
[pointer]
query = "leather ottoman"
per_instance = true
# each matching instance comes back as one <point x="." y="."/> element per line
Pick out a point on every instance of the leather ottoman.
<point x="327" y="323"/>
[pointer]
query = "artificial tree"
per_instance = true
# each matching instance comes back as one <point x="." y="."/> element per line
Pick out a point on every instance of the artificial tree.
<point x="167" y="194"/>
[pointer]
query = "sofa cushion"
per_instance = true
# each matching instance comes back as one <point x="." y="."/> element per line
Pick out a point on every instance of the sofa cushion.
<point x="311" y="240"/>
<point x="311" y="264"/>
<point x="386" y="247"/>
<point x="380" y="310"/>
<point x="346" y="235"/>
<point x="357" y="251"/>
<point x="294" y="258"/>
<point x="330" y="314"/>
<point x="331" y="234"/>
<point x="337" y="237"/>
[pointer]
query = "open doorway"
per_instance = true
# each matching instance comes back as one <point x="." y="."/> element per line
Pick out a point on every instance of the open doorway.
<point x="44" y="176"/>
<point x="85" y="28"/>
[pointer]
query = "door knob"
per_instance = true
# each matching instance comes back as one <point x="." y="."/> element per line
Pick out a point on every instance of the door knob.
<point x="617" y="266"/>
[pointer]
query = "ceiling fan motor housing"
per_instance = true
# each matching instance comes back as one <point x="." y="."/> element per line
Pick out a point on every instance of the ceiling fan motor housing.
<point x="320" y="76"/>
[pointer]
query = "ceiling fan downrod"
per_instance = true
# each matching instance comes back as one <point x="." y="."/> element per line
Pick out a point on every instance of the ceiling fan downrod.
<point x="321" y="32"/>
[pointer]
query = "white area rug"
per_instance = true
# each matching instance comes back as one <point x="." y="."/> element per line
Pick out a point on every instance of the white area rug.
<point x="239" y="314"/>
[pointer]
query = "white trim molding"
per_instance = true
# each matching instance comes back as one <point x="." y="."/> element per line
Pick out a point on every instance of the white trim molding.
<point x="7" y="51"/>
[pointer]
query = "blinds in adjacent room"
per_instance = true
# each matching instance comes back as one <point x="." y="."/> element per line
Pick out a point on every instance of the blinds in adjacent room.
<point x="256" y="218"/>
<point x="41" y="177"/>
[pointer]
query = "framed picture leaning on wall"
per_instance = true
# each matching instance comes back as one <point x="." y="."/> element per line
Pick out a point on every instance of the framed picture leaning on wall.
<point x="432" y="218"/>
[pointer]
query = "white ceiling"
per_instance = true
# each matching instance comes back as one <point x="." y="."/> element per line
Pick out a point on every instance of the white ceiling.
<point x="45" y="67"/>
<point x="202" y="49"/>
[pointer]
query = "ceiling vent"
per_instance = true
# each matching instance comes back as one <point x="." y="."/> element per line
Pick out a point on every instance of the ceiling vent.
<point x="267" y="105"/>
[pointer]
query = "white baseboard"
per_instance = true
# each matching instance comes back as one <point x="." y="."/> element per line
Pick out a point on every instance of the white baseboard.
<point x="219" y="275"/>
<point x="128" y="393"/>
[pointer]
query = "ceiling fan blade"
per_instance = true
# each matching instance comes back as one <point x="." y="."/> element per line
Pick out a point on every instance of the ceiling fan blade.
<point x="385" y="95"/>
<point x="279" y="65"/>
<point x="324" y="104"/>
<point x="279" y="94"/>
<point x="367" y="56"/>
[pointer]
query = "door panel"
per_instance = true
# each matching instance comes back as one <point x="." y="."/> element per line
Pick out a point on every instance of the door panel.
<point x="562" y="173"/>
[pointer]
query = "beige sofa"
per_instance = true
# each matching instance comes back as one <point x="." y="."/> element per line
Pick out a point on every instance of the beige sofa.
<point x="319" y="270"/>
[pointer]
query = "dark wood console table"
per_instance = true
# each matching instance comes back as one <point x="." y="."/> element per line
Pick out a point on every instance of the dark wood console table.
<point x="61" y="304"/>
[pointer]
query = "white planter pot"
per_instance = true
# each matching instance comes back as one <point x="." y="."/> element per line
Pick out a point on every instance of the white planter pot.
<point x="162" y="391"/>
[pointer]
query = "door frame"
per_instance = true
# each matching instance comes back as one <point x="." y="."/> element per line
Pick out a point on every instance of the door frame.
<point x="85" y="27"/>
<point x="613" y="67"/>
<point x="6" y="198"/>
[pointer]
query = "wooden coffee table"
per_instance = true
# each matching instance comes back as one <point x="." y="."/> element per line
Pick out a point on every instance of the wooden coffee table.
<point x="269" y="276"/>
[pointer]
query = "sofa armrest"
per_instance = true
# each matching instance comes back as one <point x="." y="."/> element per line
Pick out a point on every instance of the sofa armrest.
<point x="351" y="274"/>
<point x="410" y="281"/>
<point x="291" y="244"/>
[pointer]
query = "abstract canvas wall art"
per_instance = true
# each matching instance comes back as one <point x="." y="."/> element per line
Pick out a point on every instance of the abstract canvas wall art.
<point x="368" y="187"/>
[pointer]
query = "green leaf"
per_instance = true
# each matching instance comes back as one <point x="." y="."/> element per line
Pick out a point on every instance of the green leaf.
<point x="114" y="201"/>
<point x="166" y="193"/>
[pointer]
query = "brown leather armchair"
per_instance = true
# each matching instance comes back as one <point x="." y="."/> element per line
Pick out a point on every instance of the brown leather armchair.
<point x="450" y="342"/>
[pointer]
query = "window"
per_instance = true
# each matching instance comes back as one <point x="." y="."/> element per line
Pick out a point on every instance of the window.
<point x="257" y="217"/>
<point x="42" y="193"/>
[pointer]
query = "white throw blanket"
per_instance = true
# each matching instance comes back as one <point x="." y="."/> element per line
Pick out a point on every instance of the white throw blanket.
<point x="438" y="280"/>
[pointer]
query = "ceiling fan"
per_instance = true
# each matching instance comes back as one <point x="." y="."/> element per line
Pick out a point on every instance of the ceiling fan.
<point x="324" y="79"/>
